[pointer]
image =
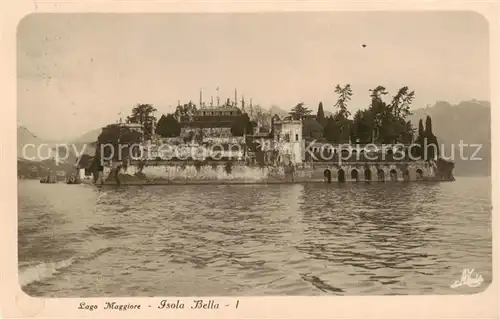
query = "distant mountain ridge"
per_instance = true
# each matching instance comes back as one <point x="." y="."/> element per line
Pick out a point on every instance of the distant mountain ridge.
<point x="31" y="147"/>
<point x="468" y="122"/>
<point x="89" y="137"/>
<point x="26" y="138"/>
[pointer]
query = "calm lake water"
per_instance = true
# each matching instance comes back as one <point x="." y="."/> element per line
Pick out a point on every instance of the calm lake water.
<point x="311" y="239"/>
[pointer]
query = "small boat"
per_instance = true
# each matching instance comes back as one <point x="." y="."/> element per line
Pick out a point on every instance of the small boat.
<point x="73" y="180"/>
<point x="48" y="180"/>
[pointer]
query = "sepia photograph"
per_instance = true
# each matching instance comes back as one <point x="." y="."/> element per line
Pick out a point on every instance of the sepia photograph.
<point x="253" y="154"/>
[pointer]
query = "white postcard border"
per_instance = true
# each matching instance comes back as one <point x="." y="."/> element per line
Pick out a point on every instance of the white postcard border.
<point x="15" y="303"/>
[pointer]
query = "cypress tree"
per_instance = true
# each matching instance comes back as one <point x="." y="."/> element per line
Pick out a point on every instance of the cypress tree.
<point x="320" y="116"/>
<point x="428" y="126"/>
<point x="432" y="143"/>
<point x="420" y="130"/>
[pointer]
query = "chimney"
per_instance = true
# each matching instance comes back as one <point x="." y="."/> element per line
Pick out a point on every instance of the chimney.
<point x="251" y="108"/>
<point x="201" y="98"/>
<point x="218" y="98"/>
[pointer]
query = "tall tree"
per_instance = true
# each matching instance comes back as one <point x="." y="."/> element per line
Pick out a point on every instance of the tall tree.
<point x="408" y="133"/>
<point x="341" y="117"/>
<point x="380" y="115"/>
<point x="394" y="114"/>
<point x="362" y="126"/>
<point x="428" y="126"/>
<point x="344" y="96"/>
<point x="382" y="122"/>
<point x="431" y="140"/>
<point x="320" y="116"/>
<point x="143" y="114"/>
<point x="300" y="112"/>
<point x="117" y="139"/>
<point x="420" y="129"/>
<point x="168" y="126"/>
<point x="378" y="93"/>
<point x="400" y="105"/>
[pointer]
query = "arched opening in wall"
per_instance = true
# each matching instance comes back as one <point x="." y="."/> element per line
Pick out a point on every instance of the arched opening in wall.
<point x="355" y="175"/>
<point x="328" y="176"/>
<point x="341" y="176"/>
<point x="420" y="175"/>
<point x="394" y="175"/>
<point x="406" y="175"/>
<point x="368" y="175"/>
<point x="381" y="175"/>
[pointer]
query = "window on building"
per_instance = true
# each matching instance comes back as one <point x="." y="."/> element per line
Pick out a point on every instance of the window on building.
<point x="296" y="137"/>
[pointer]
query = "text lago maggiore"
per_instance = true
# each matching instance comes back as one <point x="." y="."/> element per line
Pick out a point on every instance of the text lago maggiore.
<point x="164" y="304"/>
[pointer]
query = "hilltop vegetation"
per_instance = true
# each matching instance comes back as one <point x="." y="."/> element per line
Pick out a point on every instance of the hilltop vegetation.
<point x="388" y="119"/>
<point x="385" y="121"/>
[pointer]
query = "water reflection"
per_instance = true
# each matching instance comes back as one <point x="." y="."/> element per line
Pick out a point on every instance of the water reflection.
<point x="377" y="228"/>
<point x="311" y="239"/>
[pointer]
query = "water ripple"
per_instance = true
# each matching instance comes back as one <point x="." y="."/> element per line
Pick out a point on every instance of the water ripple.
<point x="318" y="239"/>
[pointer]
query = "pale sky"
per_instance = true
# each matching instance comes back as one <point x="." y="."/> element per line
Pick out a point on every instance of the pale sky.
<point x="77" y="72"/>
